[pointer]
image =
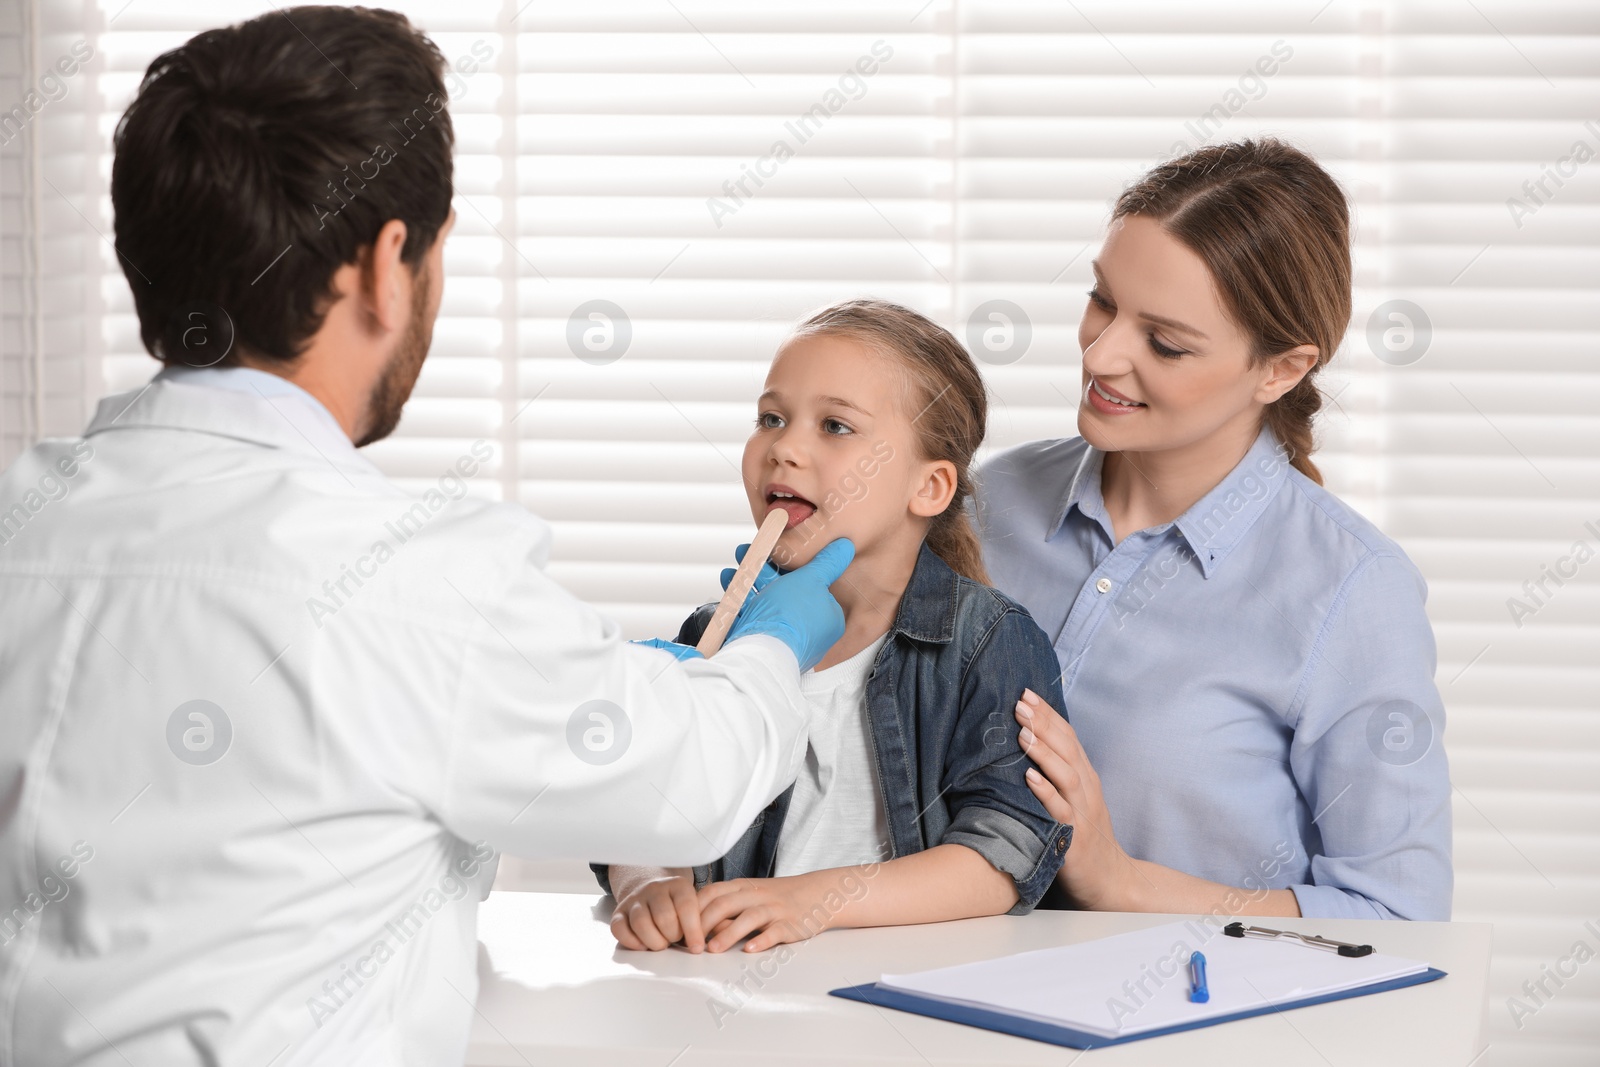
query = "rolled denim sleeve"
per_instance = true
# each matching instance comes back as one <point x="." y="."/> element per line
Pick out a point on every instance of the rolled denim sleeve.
<point x="1368" y="754"/>
<point x="992" y="810"/>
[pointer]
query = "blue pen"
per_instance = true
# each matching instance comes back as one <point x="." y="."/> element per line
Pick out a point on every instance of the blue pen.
<point x="1198" y="993"/>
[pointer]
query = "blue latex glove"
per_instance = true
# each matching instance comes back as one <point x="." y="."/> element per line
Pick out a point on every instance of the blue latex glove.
<point x="797" y="608"/>
<point x="763" y="576"/>
<point x="680" y="651"/>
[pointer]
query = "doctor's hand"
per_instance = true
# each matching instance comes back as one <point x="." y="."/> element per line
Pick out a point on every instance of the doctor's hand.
<point x="763" y="576"/>
<point x="797" y="608"/>
<point x="656" y="908"/>
<point x="1097" y="871"/>
<point x="680" y="651"/>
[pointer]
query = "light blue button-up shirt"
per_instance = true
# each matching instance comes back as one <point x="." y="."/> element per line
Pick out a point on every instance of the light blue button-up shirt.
<point x="1253" y="682"/>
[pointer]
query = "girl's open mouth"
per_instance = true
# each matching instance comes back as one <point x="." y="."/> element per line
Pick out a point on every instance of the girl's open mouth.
<point x="799" y="508"/>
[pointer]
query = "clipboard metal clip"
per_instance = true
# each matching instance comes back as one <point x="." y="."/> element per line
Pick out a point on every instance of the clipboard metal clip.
<point x="1344" y="948"/>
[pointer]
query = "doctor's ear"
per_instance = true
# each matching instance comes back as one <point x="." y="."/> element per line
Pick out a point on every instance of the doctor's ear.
<point x="1283" y="372"/>
<point x="386" y="279"/>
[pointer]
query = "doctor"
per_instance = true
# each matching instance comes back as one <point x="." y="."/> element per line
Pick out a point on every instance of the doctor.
<point x="268" y="722"/>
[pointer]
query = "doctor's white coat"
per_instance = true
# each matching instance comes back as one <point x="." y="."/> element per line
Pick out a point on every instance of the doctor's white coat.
<point x="266" y="722"/>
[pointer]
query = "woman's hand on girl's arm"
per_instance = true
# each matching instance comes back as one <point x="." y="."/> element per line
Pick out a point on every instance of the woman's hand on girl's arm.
<point x="656" y="907"/>
<point x="1098" y="875"/>
<point x="945" y="882"/>
<point x="1096" y="872"/>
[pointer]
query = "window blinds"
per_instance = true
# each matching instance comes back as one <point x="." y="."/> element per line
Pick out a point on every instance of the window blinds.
<point x="651" y="192"/>
<point x="18" y="232"/>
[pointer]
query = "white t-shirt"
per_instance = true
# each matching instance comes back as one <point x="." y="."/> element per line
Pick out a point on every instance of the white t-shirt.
<point x="836" y="816"/>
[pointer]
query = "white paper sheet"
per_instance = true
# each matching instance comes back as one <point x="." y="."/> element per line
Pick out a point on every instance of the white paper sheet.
<point x="1130" y="983"/>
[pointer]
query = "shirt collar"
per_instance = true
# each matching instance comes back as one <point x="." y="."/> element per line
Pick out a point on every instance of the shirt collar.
<point x="238" y="402"/>
<point x="1083" y="492"/>
<point x="243" y="380"/>
<point x="928" y="606"/>
<point x="1216" y="523"/>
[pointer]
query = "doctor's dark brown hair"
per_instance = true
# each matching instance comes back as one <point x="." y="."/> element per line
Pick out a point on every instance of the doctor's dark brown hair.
<point x="949" y="407"/>
<point x="1273" y="228"/>
<point x="258" y="158"/>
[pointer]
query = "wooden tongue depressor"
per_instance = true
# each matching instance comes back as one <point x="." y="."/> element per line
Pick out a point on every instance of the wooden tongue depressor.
<point x="744" y="578"/>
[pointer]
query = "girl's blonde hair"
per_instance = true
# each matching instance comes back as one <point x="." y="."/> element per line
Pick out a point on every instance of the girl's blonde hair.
<point x="948" y="403"/>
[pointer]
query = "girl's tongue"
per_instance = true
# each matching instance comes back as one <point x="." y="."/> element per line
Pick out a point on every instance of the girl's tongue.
<point x="799" y="510"/>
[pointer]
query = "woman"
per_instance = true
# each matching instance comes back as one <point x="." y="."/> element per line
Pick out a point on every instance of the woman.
<point x="1246" y="659"/>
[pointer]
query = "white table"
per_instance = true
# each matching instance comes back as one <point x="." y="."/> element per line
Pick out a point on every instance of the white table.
<point x="556" y="989"/>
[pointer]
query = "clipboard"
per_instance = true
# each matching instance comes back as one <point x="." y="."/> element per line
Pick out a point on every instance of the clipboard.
<point x="1130" y="986"/>
<point x="1066" y="1037"/>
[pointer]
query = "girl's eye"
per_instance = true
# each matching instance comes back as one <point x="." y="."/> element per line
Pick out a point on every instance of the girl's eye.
<point x="1100" y="301"/>
<point x="763" y="424"/>
<point x="1163" y="351"/>
<point x="826" y="423"/>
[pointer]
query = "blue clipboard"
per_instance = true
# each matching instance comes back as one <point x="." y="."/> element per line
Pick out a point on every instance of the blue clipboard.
<point x="1065" y="1036"/>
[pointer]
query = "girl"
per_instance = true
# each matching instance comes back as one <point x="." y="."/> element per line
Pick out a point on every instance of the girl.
<point x="1247" y="658"/>
<point x="866" y="430"/>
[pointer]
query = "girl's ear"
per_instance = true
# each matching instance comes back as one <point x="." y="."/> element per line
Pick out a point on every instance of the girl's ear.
<point x="1284" y="372"/>
<point x="936" y="490"/>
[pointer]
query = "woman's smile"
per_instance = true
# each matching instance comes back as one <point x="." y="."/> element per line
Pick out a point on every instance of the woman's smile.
<point x="1108" y="401"/>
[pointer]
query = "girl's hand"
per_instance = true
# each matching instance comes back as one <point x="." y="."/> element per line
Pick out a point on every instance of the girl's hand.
<point x="770" y="908"/>
<point x="656" y="913"/>
<point x="1097" y="871"/>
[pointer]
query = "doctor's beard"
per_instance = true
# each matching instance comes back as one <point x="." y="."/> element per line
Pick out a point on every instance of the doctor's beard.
<point x="399" y="377"/>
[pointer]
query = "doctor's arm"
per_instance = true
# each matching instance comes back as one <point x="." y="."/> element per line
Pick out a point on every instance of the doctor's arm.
<point x="656" y="907"/>
<point x="565" y="740"/>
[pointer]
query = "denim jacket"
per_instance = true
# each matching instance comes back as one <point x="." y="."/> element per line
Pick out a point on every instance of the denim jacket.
<point x="940" y="703"/>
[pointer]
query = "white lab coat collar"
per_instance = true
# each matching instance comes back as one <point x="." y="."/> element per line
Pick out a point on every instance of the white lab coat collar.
<point x="237" y="402"/>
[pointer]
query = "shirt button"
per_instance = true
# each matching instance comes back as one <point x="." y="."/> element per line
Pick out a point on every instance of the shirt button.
<point x="1104" y="585"/>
